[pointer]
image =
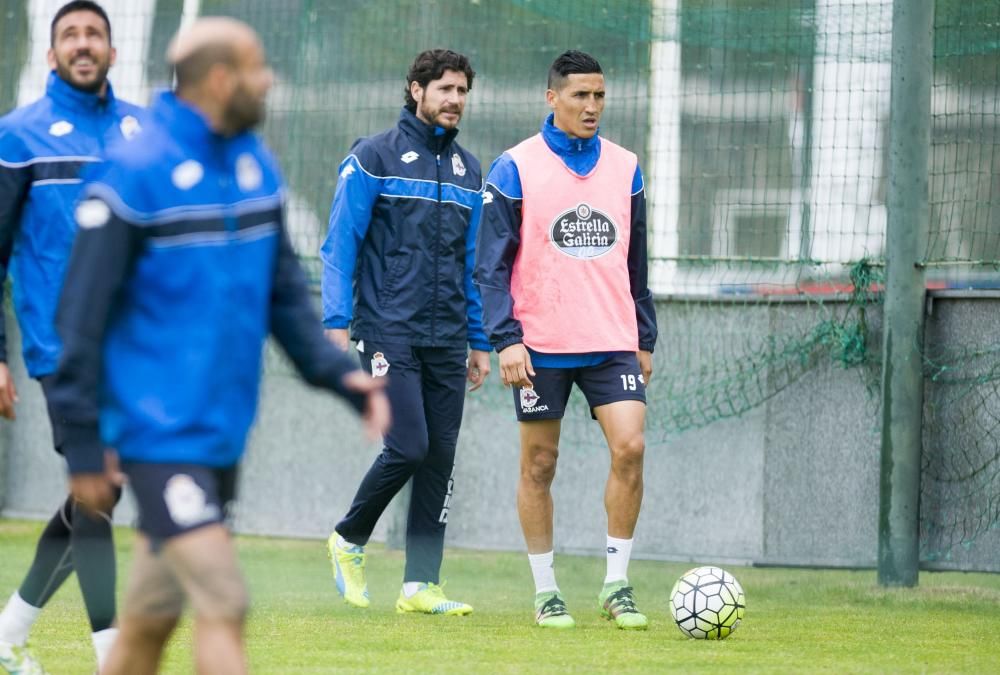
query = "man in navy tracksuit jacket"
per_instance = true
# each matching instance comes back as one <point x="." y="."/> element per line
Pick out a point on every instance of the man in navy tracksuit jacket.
<point x="181" y="269"/>
<point x="397" y="268"/>
<point x="44" y="148"/>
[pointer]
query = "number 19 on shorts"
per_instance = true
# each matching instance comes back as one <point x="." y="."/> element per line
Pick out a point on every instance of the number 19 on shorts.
<point x="628" y="382"/>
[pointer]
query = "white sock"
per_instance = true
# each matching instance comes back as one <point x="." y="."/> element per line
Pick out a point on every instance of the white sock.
<point x="410" y="588"/>
<point x="343" y="543"/>
<point x="619" y="551"/>
<point x="103" y="639"/>
<point x="16" y="620"/>
<point x="544" y="571"/>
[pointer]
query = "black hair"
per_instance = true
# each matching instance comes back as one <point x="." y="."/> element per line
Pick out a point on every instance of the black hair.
<point x="79" y="6"/>
<point x="571" y="62"/>
<point x="430" y="65"/>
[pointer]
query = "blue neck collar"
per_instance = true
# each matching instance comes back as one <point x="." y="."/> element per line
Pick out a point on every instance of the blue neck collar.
<point x="67" y="95"/>
<point x="579" y="154"/>
<point x="184" y="120"/>
<point x="432" y="136"/>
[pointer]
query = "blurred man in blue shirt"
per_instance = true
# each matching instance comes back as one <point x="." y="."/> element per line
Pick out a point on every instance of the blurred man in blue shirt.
<point x="182" y="268"/>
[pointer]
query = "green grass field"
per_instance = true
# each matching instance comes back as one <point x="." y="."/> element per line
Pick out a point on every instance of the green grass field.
<point x="796" y="621"/>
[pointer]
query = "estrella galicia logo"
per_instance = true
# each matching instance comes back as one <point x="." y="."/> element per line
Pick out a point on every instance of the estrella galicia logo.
<point x="584" y="233"/>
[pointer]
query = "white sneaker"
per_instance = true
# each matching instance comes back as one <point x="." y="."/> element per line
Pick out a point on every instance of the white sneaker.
<point x="18" y="660"/>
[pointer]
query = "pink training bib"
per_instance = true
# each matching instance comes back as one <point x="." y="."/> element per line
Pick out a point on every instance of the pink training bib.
<point x="570" y="279"/>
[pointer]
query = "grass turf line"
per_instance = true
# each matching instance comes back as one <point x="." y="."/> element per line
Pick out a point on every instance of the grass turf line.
<point x="797" y="620"/>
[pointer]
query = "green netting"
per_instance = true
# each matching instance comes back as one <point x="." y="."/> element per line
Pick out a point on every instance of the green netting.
<point x="13" y="46"/>
<point x="960" y="496"/>
<point x="961" y="465"/>
<point x="762" y="130"/>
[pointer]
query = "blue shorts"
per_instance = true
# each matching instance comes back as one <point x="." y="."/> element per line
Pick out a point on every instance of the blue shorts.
<point x="617" y="379"/>
<point x="176" y="498"/>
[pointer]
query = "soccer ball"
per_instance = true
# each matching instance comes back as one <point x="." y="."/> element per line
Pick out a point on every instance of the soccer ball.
<point x="707" y="603"/>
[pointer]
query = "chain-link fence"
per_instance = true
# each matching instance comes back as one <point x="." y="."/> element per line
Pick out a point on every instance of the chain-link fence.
<point x="761" y="127"/>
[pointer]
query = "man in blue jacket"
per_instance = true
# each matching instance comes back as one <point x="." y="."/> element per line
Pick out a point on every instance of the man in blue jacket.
<point x="397" y="269"/>
<point x="44" y="147"/>
<point x="181" y="269"/>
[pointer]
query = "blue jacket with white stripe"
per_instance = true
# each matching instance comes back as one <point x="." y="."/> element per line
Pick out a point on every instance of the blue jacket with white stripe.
<point x="44" y="147"/>
<point x="181" y="268"/>
<point x="398" y="258"/>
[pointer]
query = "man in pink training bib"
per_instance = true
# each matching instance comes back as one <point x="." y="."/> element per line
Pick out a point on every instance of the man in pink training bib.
<point x="561" y="266"/>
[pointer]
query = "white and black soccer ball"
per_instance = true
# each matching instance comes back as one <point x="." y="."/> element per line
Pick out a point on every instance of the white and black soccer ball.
<point x="707" y="603"/>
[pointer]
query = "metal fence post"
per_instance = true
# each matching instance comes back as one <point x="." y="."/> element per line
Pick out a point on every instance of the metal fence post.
<point x="909" y="213"/>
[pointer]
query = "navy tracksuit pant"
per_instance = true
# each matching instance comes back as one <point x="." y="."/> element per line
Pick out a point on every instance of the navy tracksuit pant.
<point x="426" y="390"/>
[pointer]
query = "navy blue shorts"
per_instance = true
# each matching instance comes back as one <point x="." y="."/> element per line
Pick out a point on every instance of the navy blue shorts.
<point x="617" y="379"/>
<point x="176" y="498"/>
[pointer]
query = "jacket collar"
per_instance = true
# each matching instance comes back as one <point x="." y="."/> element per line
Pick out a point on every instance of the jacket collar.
<point x="185" y="121"/>
<point x="65" y="94"/>
<point x="567" y="147"/>
<point x="431" y="136"/>
<point x="579" y="154"/>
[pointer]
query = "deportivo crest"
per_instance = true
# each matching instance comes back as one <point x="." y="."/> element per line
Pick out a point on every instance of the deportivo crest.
<point x="129" y="127"/>
<point x="457" y="167"/>
<point x="583" y="233"/>
<point x="380" y="366"/>
<point x="529" y="401"/>
<point x="249" y="175"/>
<point x="186" y="501"/>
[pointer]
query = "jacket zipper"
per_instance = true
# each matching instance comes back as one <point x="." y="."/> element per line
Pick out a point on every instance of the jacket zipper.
<point x="437" y="250"/>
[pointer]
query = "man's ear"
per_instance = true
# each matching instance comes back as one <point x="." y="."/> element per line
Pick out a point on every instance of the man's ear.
<point x="417" y="92"/>
<point x="550" y="98"/>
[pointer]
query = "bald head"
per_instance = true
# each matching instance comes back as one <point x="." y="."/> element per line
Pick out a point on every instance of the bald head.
<point x="221" y="70"/>
<point x="208" y="42"/>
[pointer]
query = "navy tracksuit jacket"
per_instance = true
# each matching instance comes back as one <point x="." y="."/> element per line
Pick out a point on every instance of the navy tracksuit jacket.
<point x="397" y="268"/>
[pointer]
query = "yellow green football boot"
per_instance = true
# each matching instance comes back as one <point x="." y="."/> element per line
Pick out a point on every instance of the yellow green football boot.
<point x="430" y="599"/>
<point x="18" y="660"/>
<point x="617" y="600"/>
<point x="348" y="571"/>
<point x="551" y="612"/>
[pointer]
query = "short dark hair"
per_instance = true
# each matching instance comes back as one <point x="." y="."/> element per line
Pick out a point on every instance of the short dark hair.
<point x="572" y="62"/>
<point x="79" y="6"/>
<point x="430" y="65"/>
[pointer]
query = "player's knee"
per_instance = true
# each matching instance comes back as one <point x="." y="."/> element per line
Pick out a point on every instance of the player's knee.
<point x="413" y="456"/>
<point x="540" y="468"/>
<point x="627" y="455"/>
<point x="220" y="594"/>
